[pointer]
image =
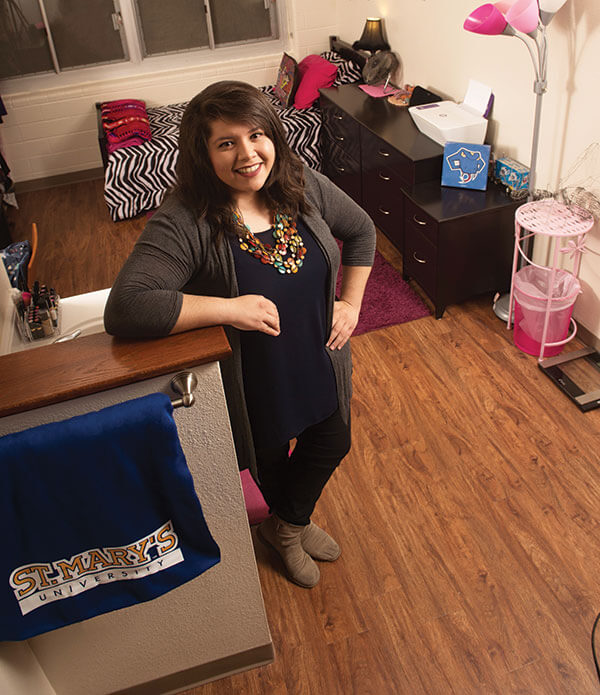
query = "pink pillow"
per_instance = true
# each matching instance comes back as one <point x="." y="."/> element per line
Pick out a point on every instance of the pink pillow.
<point x="314" y="72"/>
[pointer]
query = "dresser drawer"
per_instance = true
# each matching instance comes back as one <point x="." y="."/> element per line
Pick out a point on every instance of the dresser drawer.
<point x="341" y="129"/>
<point x="383" y="200"/>
<point x="415" y="218"/>
<point x="379" y="157"/>
<point x="343" y="170"/>
<point x="419" y="260"/>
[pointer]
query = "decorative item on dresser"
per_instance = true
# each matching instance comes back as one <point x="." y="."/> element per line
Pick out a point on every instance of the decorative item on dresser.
<point x="455" y="243"/>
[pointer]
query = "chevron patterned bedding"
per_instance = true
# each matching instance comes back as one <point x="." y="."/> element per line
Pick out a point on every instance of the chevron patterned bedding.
<point x="137" y="178"/>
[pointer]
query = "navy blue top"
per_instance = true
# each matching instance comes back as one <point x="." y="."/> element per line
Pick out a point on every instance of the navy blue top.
<point x="289" y="381"/>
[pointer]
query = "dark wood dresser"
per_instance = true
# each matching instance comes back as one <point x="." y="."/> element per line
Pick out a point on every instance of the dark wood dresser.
<point x="456" y="243"/>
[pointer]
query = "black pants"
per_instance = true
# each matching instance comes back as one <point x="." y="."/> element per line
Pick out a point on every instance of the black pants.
<point x="292" y="484"/>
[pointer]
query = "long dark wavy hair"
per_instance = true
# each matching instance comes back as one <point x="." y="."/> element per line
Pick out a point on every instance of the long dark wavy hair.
<point x="197" y="184"/>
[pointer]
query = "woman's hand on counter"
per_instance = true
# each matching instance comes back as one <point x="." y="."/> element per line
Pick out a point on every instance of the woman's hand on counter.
<point x="249" y="312"/>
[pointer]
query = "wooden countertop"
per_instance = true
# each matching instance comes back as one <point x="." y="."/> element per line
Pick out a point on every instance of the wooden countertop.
<point x="59" y="372"/>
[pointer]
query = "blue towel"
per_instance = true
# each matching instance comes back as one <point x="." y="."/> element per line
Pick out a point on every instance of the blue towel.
<point x="99" y="512"/>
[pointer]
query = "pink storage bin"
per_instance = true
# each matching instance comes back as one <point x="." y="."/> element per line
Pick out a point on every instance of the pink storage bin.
<point x="531" y="287"/>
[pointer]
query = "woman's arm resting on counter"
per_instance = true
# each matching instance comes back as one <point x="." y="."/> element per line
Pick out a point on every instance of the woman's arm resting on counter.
<point x="250" y="312"/>
<point x="347" y="309"/>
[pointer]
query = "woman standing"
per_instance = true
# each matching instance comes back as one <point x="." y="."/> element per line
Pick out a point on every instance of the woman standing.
<point x="246" y="240"/>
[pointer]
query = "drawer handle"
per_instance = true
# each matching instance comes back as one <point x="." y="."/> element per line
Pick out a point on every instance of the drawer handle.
<point x="340" y="170"/>
<point x="339" y="138"/>
<point x="418" y="221"/>
<point x="383" y="153"/>
<point x="384" y="212"/>
<point x="419" y="260"/>
<point x="338" y="117"/>
<point x="383" y="177"/>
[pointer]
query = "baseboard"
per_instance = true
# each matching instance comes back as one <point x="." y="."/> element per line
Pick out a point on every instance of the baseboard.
<point x="587" y="337"/>
<point x="59" y="180"/>
<point x="193" y="677"/>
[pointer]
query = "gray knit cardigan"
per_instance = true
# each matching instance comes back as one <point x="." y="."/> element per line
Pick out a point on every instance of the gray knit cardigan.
<point x="176" y="254"/>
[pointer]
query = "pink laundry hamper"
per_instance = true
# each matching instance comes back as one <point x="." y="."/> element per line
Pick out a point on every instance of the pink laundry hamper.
<point x="531" y="289"/>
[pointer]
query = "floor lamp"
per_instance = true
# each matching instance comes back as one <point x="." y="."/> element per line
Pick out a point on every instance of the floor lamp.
<point x="525" y="20"/>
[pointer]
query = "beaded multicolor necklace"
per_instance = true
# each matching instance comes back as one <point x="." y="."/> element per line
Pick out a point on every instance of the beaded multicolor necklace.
<point x="287" y="252"/>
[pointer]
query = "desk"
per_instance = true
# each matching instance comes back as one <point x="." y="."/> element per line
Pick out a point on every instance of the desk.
<point x="457" y="243"/>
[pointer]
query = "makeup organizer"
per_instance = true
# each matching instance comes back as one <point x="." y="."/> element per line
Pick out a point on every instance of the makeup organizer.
<point x="37" y="313"/>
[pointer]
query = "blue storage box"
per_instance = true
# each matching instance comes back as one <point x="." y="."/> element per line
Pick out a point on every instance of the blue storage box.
<point x="511" y="173"/>
<point x="465" y="165"/>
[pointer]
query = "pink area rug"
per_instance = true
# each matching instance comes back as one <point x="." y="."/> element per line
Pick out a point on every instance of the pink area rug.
<point x="388" y="299"/>
<point x="256" y="507"/>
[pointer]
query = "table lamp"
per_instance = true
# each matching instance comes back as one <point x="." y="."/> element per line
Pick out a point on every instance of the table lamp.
<point x="372" y="37"/>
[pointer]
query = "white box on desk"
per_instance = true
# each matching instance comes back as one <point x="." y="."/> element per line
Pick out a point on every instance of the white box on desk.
<point x="447" y="121"/>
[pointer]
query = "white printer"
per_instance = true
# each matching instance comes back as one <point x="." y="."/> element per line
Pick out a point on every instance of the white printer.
<point x="447" y="121"/>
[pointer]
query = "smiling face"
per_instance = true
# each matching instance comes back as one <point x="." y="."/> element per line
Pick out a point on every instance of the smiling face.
<point x="242" y="157"/>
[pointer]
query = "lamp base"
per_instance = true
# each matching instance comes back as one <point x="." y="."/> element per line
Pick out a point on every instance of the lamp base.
<point x="501" y="305"/>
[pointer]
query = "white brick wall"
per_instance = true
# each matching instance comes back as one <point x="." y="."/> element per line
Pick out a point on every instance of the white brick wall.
<point x="52" y="131"/>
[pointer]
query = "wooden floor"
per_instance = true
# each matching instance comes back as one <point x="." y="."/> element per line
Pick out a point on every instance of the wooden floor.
<point x="467" y="509"/>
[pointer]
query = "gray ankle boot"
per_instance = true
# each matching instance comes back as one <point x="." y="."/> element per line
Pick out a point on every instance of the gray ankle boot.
<point x="319" y="544"/>
<point x="285" y="539"/>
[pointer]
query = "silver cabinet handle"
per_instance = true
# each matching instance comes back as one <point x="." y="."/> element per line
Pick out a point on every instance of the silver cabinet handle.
<point x="383" y="177"/>
<point x="383" y="153"/>
<point x="338" y="117"/>
<point x="418" y="221"/>
<point x="384" y="212"/>
<point x="340" y="170"/>
<point x="339" y="138"/>
<point x="419" y="260"/>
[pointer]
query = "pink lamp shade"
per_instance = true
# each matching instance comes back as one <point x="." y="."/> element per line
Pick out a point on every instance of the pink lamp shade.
<point x="486" y="19"/>
<point x="548" y="8"/>
<point x="504" y="5"/>
<point x="551" y="5"/>
<point x="524" y="15"/>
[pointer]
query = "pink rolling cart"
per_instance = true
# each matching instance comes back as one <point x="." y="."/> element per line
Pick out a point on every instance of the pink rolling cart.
<point x="542" y="312"/>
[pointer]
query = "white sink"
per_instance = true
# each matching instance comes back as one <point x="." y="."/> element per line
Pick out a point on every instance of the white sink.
<point x="83" y="312"/>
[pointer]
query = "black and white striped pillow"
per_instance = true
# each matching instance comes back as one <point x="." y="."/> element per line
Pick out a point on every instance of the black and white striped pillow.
<point x="347" y="72"/>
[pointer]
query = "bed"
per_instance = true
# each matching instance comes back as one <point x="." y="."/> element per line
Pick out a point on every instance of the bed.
<point x="137" y="177"/>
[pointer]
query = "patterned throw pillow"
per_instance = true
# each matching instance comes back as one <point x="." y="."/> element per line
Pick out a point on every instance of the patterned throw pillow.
<point x="125" y="123"/>
<point x="287" y="80"/>
<point x="347" y="71"/>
